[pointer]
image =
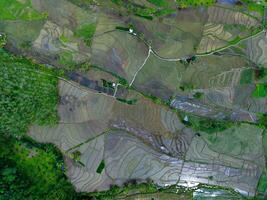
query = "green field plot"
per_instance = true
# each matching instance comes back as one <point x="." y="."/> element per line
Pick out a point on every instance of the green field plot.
<point x="159" y="2"/>
<point x="260" y="91"/>
<point x="100" y="167"/>
<point x="86" y="32"/>
<point x="19" y="10"/>
<point x="246" y="76"/>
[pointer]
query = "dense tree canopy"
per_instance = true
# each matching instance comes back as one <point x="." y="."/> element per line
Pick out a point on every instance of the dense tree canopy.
<point x="28" y="94"/>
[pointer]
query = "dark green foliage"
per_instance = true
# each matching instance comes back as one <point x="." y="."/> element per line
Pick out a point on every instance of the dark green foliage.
<point x="187" y="86"/>
<point x="29" y="170"/>
<point x="122" y="28"/>
<point x="100" y="167"/>
<point x="123" y="81"/>
<point x="205" y="124"/>
<point x="107" y="84"/>
<point x="2" y="40"/>
<point x="128" y="101"/>
<point x="262" y="120"/>
<point x="145" y="16"/>
<point x="198" y="95"/>
<point x="260" y="73"/>
<point x="28" y="94"/>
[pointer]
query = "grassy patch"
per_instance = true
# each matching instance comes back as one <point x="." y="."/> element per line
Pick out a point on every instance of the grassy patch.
<point x="66" y="59"/>
<point x="86" y="32"/>
<point x="235" y="40"/>
<point x="163" y="12"/>
<point x="261" y="90"/>
<point x="64" y="39"/>
<point x="190" y="3"/>
<point x="14" y="10"/>
<point x="254" y="6"/>
<point x="28" y="94"/>
<point x="160" y="3"/>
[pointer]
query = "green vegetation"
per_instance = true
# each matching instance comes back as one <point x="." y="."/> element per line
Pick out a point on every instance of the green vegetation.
<point x="121" y="80"/>
<point x="29" y="170"/>
<point x="198" y="95"/>
<point x="205" y="124"/>
<point x="127" y="101"/>
<point x="122" y="28"/>
<point x="261" y="90"/>
<point x="13" y="10"/>
<point x="116" y="191"/>
<point x="107" y="84"/>
<point x="235" y="40"/>
<point x="76" y="155"/>
<point x="66" y="59"/>
<point x="187" y="86"/>
<point x="254" y="6"/>
<point x="262" y="122"/>
<point x="86" y="32"/>
<point x="164" y="12"/>
<point x="260" y="73"/>
<point x="246" y="76"/>
<point x="100" y="167"/>
<point x="160" y="3"/>
<point x="2" y="40"/>
<point x="262" y="186"/>
<point x="28" y="94"/>
<point x="64" y="39"/>
<point x="149" y="13"/>
<point x="188" y="3"/>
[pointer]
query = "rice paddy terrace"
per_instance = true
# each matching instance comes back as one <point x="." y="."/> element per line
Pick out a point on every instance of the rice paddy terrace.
<point x="172" y="93"/>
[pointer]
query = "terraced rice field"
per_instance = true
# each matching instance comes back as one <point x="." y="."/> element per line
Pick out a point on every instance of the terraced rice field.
<point x="135" y="83"/>
<point x="146" y="141"/>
